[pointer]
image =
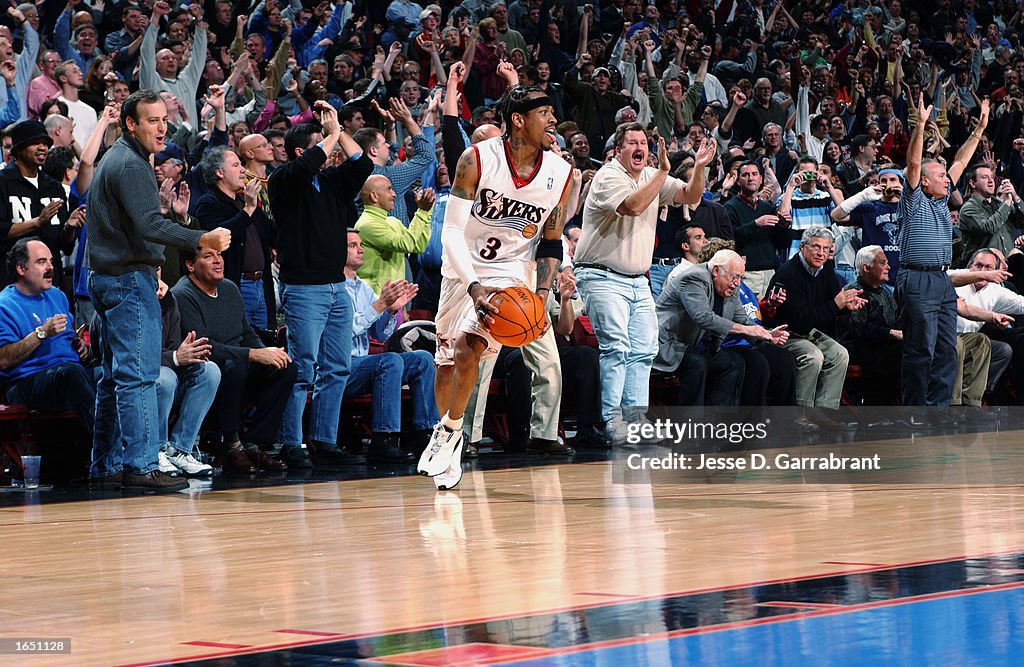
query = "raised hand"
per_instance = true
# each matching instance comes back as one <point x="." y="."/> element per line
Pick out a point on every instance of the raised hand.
<point x="400" y="111"/>
<point x="705" y="153"/>
<point x="425" y="199"/>
<point x="663" y="163"/>
<point x="166" y="195"/>
<point x="328" y="118"/>
<point x="215" y="97"/>
<point x="251" y="193"/>
<point x="388" y="117"/>
<point x="508" y="72"/>
<point x="925" y="112"/>
<point x="181" y="201"/>
<point x="456" y="73"/>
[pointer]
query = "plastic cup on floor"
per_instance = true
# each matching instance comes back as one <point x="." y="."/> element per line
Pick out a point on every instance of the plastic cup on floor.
<point x="30" y="466"/>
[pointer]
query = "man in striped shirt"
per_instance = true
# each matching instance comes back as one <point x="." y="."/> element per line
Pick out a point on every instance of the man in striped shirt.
<point x="925" y="293"/>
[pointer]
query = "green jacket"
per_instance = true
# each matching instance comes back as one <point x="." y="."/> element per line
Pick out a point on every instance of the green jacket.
<point x="989" y="224"/>
<point x="386" y="242"/>
<point x="664" y="111"/>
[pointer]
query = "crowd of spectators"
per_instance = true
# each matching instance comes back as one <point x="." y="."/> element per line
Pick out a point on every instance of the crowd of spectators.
<point x="323" y="135"/>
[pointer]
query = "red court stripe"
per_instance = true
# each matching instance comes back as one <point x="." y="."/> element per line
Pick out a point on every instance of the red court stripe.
<point x="217" y="644"/>
<point x="312" y="633"/>
<point x="798" y="605"/>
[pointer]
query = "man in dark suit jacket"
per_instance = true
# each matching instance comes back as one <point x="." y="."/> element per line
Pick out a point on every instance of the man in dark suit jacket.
<point x="696" y="310"/>
<point x="234" y="204"/>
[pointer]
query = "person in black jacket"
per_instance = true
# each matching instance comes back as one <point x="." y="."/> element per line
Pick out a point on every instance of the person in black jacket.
<point x="247" y="262"/>
<point x="32" y="202"/>
<point x="309" y="204"/>
<point x="813" y="303"/>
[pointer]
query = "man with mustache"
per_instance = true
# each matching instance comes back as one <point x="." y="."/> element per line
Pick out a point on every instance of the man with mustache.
<point x="40" y="357"/>
<point x="614" y="252"/>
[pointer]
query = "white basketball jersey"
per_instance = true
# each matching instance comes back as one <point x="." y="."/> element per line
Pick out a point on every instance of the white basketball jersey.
<point x="509" y="212"/>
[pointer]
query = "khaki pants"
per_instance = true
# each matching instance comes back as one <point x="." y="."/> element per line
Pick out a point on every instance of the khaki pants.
<point x="820" y="369"/>
<point x="973" y="353"/>
<point x="758" y="281"/>
<point x="541" y="357"/>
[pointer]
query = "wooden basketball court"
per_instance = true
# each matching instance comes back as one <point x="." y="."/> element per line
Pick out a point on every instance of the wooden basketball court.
<point x="538" y="565"/>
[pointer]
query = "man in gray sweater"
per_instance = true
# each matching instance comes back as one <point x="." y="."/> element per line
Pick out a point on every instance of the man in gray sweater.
<point x="250" y="372"/>
<point x="126" y="235"/>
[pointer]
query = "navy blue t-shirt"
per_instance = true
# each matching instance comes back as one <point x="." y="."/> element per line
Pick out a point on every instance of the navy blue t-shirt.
<point x="879" y="223"/>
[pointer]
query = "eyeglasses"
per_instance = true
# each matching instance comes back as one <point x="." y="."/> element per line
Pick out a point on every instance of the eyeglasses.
<point x="733" y="278"/>
<point x="823" y="249"/>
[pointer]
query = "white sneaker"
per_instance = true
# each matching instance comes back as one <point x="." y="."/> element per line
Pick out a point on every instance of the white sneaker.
<point x="188" y="464"/>
<point x="451" y="477"/>
<point x="165" y="464"/>
<point x="437" y="457"/>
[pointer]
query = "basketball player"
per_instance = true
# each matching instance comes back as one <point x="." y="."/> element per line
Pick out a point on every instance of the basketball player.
<point x="504" y="216"/>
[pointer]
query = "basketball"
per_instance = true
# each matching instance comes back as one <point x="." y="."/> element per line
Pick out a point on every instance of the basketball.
<point x="520" y="318"/>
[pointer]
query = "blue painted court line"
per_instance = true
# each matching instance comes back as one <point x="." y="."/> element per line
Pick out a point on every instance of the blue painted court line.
<point x="979" y="628"/>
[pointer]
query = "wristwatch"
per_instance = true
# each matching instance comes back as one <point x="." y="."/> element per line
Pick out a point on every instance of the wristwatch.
<point x="40" y="333"/>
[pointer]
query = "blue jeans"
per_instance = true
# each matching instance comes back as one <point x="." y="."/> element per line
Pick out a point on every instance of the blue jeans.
<point x="658" y="275"/>
<point x="846" y="274"/>
<point x="192" y="388"/>
<point x="928" y="312"/>
<point x="621" y="310"/>
<point x="254" y="301"/>
<point x="384" y="374"/>
<point x="128" y="314"/>
<point x="319" y="323"/>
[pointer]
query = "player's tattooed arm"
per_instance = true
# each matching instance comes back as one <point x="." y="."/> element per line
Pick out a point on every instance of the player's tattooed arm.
<point x="466" y="175"/>
<point x="547" y="268"/>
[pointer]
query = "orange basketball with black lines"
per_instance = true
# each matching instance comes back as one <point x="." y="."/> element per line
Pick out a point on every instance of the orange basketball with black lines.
<point x="520" y="318"/>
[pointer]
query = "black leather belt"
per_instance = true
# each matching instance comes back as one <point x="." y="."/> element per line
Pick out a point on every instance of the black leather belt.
<point x="942" y="268"/>
<point x="666" y="261"/>
<point x="602" y="267"/>
<point x="252" y="275"/>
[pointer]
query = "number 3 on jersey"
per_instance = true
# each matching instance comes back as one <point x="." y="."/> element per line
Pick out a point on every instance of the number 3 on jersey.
<point x="490" y="251"/>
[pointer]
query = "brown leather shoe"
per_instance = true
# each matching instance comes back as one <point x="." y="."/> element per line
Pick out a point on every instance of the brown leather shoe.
<point x="235" y="462"/>
<point x="111" y="481"/>
<point x="262" y="461"/>
<point x="552" y="447"/>
<point x="152" y="482"/>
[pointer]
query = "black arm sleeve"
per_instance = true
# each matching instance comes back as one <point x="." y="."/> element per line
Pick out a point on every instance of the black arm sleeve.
<point x="452" y="143"/>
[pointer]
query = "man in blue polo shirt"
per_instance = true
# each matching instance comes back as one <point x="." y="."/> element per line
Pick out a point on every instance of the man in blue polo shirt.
<point x="925" y="293"/>
<point x="40" y="358"/>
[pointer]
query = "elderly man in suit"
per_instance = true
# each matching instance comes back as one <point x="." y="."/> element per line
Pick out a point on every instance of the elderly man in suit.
<point x="697" y="309"/>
